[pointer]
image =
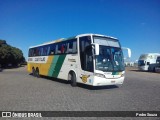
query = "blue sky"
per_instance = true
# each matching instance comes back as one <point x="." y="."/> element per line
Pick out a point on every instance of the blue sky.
<point x="136" y="23"/>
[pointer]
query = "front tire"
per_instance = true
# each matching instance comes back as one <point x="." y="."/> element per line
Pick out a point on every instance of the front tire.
<point x="72" y="78"/>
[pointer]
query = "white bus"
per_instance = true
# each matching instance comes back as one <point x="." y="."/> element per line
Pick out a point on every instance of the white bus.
<point x="147" y="62"/>
<point x="157" y="68"/>
<point x="91" y="59"/>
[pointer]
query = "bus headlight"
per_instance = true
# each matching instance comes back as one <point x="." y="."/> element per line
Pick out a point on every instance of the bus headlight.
<point x="99" y="75"/>
<point x="123" y="75"/>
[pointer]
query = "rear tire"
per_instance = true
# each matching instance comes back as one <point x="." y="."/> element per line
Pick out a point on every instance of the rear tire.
<point x="72" y="78"/>
<point x="33" y="72"/>
<point x="37" y="73"/>
<point x="154" y="69"/>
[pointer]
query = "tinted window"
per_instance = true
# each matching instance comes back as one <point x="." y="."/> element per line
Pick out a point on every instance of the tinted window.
<point x="84" y="42"/>
<point x="52" y="49"/>
<point x="65" y="47"/>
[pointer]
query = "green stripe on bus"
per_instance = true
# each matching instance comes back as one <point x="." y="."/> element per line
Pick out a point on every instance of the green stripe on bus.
<point x="116" y="73"/>
<point x="53" y="64"/>
<point x="58" y="65"/>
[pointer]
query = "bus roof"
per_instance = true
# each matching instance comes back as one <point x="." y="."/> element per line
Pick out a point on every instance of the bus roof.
<point x="91" y="34"/>
<point x="63" y="39"/>
<point x="151" y="54"/>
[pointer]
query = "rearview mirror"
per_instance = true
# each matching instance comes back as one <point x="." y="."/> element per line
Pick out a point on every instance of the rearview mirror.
<point x="95" y="46"/>
<point x="128" y="50"/>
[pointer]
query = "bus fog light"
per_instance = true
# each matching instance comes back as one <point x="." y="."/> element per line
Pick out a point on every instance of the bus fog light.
<point x="123" y="75"/>
<point x="99" y="75"/>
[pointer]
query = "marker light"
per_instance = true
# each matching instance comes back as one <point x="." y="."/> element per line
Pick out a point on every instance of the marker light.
<point x="99" y="75"/>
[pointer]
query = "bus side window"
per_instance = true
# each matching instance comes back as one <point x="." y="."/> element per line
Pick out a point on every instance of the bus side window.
<point x="48" y="50"/>
<point x="56" y="51"/>
<point x="62" y="48"/>
<point x="30" y="52"/>
<point x="52" y="49"/>
<point x="59" y="48"/>
<point x="65" y="47"/>
<point x="41" y="51"/>
<point x="70" y="47"/>
<point x="37" y="51"/>
<point x="44" y="51"/>
<point x="74" y="47"/>
<point x="34" y="51"/>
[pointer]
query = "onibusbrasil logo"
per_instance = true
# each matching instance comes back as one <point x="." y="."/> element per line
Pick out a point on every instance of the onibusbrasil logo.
<point x="21" y="114"/>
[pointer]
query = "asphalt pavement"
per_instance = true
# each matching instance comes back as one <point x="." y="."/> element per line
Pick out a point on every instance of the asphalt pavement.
<point x="20" y="91"/>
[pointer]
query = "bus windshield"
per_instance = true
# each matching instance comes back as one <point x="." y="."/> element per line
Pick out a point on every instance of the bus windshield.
<point x="109" y="59"/>
<point x="158" y="60"/>
<point x="142" y="57"/>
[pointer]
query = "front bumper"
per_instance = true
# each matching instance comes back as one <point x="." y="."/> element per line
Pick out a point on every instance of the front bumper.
<point x="99" y="81"/>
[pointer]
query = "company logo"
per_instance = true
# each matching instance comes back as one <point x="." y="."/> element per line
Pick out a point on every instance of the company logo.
<point x="39" y="59"/>
<point x="6" y="114"/>
<point x="84" y="78"/>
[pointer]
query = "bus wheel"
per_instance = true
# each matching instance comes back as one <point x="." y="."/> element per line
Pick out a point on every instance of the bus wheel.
<point x="154" y="69"/>
<point x="72" y="78"/>
<point x="37" y="73"/>
<point x="33" y="72"/>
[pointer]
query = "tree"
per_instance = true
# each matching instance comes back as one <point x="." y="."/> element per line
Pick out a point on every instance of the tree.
<point x="10" y="55"/>
<point x="2" y="42"/>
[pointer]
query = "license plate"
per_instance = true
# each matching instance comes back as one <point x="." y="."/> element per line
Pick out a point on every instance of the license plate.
<point x="112" y="81"/>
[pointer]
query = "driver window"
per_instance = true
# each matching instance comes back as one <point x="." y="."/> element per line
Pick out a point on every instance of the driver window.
<point x="89" y="60"/>
<point x="84" y="57"/>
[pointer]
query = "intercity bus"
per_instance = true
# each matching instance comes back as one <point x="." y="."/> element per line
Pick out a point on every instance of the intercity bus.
<point x="157" y="68"/>
<point x="147" y="62"/>
<point x="91" y="59"/>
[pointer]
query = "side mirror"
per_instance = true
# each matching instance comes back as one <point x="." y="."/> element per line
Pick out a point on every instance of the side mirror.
<point x="129" y="51"/>
<point x="95" y="46"/>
